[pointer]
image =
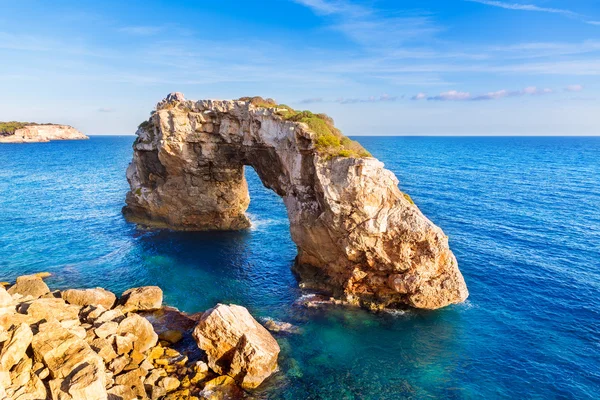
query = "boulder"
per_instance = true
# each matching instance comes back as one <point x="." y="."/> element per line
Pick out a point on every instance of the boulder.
<point x="237" y="345"/>
<point x="88" y="383"/>
<point x="142" y="331"/>
<point x="5" y="298"/>
<point x="14" y="350"/>
<point x="61" y="351"/>
<point x="90" y="297"/>
<point x="29" y="285"/>
<point x="141" y="299"/>
<point x="221" y="388"/>
<point x="52" y="308"/>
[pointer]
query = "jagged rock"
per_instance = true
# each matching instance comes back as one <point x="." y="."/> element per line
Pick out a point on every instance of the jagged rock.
<point x="105" y="349"/>
<point x="13" y="351"/>
<point x="106" y="329"/>
<point x="357" y="234"/>
<point x="52" y="308"/>
<point x="29" y="285"/>
<point x="21" y="373"/>
<point x="170" y="384"/>
<point x="237" y="345"/>
<point x="88" y="383"/>
<point x="121" y="392"/>
<point x="221" y="388"/>
<point x="142" y="299"/>
<point x="5" y="298"/>
<point x="124" y="343"/>
<point x="132" y="378"/>
<point x="116" y="315"/>
<point x="61" y="351"/>
<point x="34" y="389"/>
<point x="141" y="329"/>
<point x="90" y="297"/>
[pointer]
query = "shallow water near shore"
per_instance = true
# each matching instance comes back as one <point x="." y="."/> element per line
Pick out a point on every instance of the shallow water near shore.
<point x="522" y="214"/>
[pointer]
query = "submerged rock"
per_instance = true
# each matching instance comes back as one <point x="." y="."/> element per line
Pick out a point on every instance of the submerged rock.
<point x="358" y="236"/>
<point x="237" y="345"/>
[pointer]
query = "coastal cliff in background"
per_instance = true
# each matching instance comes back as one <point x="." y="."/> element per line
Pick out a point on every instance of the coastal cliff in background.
<point x="25" y="132"/>
<point x="358" y="236"/>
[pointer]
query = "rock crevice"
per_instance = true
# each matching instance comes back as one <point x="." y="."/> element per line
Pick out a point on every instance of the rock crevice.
<point x="358" y="236"/>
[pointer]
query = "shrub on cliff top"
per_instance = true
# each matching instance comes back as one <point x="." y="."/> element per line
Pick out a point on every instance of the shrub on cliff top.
<point x="9" y="128"/>
<point x="330" y="141"/>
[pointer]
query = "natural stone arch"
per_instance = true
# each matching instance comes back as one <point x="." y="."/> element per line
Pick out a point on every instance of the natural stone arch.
<point x="357" y="235"/>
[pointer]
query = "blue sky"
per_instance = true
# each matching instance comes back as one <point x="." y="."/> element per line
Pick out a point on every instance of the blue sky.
<point x="388" y="67"/>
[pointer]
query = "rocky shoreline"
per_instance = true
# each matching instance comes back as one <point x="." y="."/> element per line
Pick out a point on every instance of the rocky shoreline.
<point x="41" y="133"/>
<point x="89" y="344"/>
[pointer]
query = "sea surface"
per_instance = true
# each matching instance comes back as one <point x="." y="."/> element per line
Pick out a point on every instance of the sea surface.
<point x="522" y="214"/>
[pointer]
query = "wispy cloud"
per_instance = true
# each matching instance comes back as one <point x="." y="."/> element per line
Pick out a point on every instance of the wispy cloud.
<point x="106" y="110"/>
<point x="454" y="95"/>
<point x="371" y="27"/>
<point x="371" y="99"/>
<point x="311" y="100"/>
<point x="525" y="7"/>
<point x="533" y="7"/>
<point x="574" y="88"/>
<point x="141" y="30"/>
<point x="419" y="96"/>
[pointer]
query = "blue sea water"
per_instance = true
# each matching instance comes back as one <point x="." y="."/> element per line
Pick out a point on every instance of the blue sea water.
<point x="522" y="214"/>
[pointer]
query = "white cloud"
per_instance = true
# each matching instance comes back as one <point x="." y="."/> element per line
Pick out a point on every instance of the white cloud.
<point x="574" y="88"/>
<point x="451" y="95"/>
<point x="419" y="96"/>
<point x="454" y="95"/>
<point x="106" y="110"/>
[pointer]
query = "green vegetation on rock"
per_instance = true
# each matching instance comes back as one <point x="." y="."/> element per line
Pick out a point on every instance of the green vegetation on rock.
<point x="9" y="128"/>
<point x="330" y="141"/>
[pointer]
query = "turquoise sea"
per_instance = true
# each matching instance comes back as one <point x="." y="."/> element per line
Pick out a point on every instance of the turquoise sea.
<point x="522" y="214"/>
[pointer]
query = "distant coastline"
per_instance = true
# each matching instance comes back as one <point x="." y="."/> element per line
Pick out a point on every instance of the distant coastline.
<point x="31" y="132"/>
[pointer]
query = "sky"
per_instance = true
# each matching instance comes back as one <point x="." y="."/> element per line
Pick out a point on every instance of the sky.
<point x="378" y="67"/>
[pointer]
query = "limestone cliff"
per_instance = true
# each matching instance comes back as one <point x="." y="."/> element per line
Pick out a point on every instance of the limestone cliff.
<point x="358" y="236"/>
<point x="31" y="133"/>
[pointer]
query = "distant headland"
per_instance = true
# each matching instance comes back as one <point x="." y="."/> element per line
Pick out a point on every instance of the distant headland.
<point x="31" y="132"/>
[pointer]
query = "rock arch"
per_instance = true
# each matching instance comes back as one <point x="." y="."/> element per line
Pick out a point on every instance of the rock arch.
<point x="358" y="236"/>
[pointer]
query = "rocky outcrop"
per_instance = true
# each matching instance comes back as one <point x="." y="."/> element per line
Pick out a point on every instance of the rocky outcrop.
<point x="50" y="349"/>
<point x="237" y="345"/>
<point x="358" y="236"/>
<point x="41" y="133"/>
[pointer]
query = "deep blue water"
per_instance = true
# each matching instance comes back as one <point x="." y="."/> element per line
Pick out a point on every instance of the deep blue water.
<point x="522" y="214"/>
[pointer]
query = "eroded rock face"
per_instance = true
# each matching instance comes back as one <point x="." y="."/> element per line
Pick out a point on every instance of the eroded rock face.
<point x="43" y="133"/>
<point x="358" y="236"/>
<point x="237" y="345"/>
